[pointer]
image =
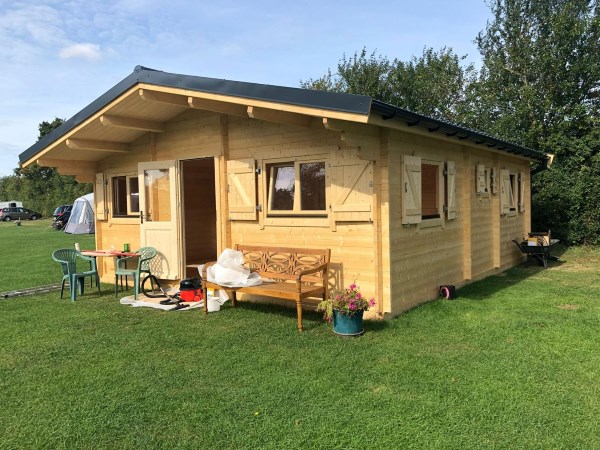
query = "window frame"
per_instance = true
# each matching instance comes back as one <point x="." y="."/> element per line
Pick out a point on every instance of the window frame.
<point x="296" y="211"/>
<point x="512" y="200"/>
<point x="437" y="219"/>
<point x="128" y="177"/>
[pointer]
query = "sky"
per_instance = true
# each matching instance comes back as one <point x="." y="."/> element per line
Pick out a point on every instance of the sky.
<point x="57" y="56"/>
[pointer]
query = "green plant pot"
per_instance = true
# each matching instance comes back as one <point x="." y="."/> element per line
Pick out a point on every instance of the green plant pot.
<point x="348" y="325"/>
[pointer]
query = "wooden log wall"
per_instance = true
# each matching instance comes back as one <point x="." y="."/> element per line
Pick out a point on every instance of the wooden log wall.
<point x="474" y="245"/>
<point x="402" y="266"/>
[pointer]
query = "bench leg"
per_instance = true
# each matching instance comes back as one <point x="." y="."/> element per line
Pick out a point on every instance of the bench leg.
<point x="299" y="311"/>
<point x="233" y="297"/>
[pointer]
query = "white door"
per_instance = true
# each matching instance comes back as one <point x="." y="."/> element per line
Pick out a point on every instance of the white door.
<point x="159" y="216"/>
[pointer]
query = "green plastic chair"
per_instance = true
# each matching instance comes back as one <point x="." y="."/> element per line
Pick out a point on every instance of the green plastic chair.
<point x="67" y="258"/>
<point x="144" y="255"/>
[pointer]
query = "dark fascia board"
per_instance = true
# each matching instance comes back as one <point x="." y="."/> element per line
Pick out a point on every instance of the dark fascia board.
<point x="391" y="112"/>
<point x="347" y="103"/>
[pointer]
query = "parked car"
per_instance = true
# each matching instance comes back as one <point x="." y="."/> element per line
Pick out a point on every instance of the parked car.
<point x="8" y="214"/>
<point x="61" y="216"/>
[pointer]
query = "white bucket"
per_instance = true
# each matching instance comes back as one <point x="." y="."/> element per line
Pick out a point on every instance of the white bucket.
<point x="212" y="304"/>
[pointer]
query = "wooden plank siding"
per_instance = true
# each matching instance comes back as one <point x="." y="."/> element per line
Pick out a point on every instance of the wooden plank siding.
<point x="401" y="265"/>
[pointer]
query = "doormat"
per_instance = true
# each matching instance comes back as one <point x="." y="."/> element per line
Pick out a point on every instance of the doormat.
<point x="149" y="302"/>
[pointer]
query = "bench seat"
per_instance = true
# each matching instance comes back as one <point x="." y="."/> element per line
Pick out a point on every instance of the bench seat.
<point x="299" y="273"/>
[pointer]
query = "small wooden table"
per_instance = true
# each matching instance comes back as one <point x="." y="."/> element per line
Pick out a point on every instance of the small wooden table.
<point x="113" y="253"/>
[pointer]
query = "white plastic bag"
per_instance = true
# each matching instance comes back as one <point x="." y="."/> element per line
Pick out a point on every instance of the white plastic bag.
<point x="229" y="271"/>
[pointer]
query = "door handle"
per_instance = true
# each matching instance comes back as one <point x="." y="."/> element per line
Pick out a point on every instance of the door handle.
<point x="141" y="216"/>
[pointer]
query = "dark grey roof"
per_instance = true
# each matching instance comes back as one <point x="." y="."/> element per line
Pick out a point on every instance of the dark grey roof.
<point x="389" y="112"/>
<point x="348" y="103"/>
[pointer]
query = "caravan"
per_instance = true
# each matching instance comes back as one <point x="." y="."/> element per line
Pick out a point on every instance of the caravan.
<point x="11" y="204"/>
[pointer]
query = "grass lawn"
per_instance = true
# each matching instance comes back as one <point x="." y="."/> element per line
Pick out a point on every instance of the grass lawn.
<point x="512" y="363"/>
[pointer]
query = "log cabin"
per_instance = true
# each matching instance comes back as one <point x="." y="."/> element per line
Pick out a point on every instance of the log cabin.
<point x="193" y="165"/>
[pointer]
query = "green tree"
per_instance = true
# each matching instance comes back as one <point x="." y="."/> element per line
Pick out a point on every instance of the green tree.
<point x="359" y="74"/>
<point x="42" y="188"/>
<point x="434" y="84"/>
<point x="539" y="85"/>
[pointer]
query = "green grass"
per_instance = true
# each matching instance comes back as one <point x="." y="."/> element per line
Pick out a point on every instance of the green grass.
<point x="26" y="259"/>
<point x="512" y="363"/>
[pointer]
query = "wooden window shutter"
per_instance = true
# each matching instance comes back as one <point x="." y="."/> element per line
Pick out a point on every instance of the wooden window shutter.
<point x="351" y="191"/>
<point x="450" y="190"/>
<point x="100" y="197"/>
<point x="494" y="180"/>
<point x="481" y="183"/>
<point x="411" y="189"/>
<point x="505" y="192"/>
<point x="241" y="189"/>
<point x="522" y="192"/>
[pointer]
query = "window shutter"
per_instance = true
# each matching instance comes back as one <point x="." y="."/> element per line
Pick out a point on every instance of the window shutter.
<point x="494" y="180"/>
<point x="411" y="189"/>
<point x="351" y="190"/>
<point x="522" y="192"/>
<point x="100" y="197"/>
<point x="481" y="184"/>
<point x="450" y="190"/>
<point x="505" y="192"/>
<point x="241" y="189"/>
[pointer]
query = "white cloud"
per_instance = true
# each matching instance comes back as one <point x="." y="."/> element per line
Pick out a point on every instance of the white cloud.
<point x="87" y="51"/>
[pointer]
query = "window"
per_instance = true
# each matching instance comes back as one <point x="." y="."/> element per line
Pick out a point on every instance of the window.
<point x="425" y="187"/>
<point x="430" y="191"/>
<point x="125" y="195"/>
<point x="296" y="188"/>
<point x="511" y="194"/>
<point x="508" y="192"/>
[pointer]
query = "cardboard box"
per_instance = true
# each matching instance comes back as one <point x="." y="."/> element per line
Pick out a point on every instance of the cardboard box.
<point x="534" y="239"/>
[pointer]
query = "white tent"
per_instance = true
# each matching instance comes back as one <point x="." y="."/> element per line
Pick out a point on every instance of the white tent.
<point x="82" y="216"/>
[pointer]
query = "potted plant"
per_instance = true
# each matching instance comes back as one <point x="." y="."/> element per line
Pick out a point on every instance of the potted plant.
<point x="345" y="309"/>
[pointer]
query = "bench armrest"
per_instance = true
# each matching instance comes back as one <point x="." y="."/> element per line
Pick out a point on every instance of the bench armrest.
<point x="322" y="267"/>
<point x="204" y="269"/>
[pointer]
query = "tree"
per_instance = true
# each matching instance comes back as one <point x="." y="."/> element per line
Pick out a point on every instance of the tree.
<point x="541" y="69"/>
<point x="42" y="188"/>
<point x="540" y="85"/>
<point x="434" y="84"/>
<point x="360" y="74"/>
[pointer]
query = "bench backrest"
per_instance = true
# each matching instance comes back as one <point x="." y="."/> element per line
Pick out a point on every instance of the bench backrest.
<point x="282" y="263"/>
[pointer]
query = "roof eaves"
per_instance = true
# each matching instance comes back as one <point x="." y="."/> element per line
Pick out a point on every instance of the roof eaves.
<point x="389" y="112"/>
<point x="347" y="103"/>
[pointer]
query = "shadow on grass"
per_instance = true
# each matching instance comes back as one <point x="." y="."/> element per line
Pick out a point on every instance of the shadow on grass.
<point x="482" y="289"/>
<point x="311" y="319"/>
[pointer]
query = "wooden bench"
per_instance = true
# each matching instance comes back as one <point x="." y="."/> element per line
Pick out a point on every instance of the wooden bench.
<point x="299" y="273"/>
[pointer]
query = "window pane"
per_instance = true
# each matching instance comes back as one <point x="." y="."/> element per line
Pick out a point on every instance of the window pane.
<point x="429" y="190"/>
<point x="119" y="196"/>
<point x="282" y="193"/>
<point x="158" y="195"/>
<point x="312" y="186"/>
<point x="134" y="194"/>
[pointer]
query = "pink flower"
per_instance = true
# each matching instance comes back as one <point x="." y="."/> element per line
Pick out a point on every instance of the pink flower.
<point x="359" y="295"/>
<point x="352" y="306"/>
<point x="372" y="302"/>
<point x="353" y="286"/>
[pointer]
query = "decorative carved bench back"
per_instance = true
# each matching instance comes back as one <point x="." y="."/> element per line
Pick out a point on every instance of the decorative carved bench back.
<point x="280" y="263"/>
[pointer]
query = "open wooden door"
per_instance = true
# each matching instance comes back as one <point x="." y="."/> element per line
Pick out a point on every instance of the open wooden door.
<point x="159" y="216"/>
